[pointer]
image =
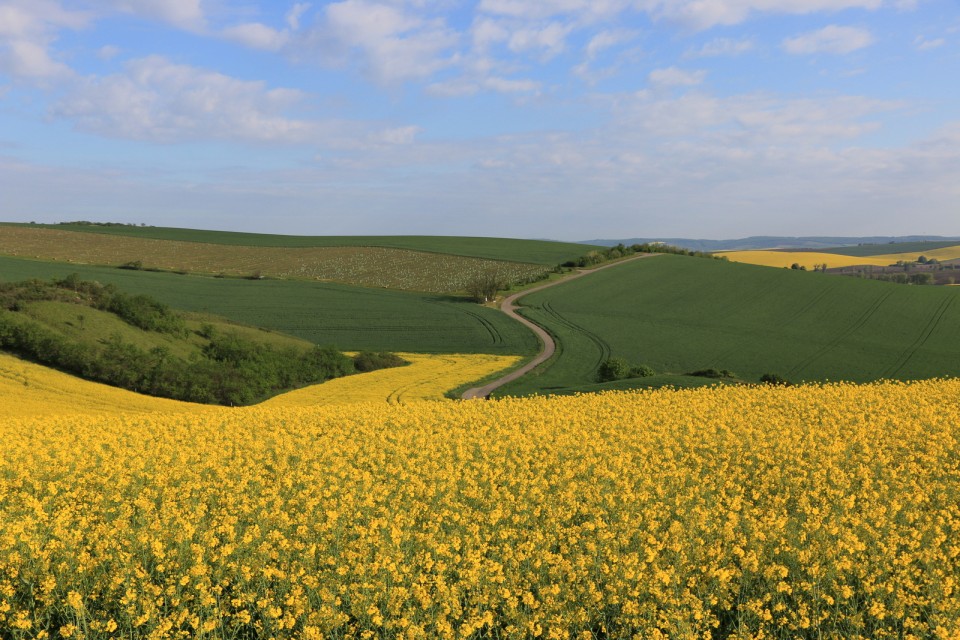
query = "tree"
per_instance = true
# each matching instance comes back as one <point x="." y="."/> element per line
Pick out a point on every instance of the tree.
<point x="613" y="369"/>
<point x="484" y="286"/>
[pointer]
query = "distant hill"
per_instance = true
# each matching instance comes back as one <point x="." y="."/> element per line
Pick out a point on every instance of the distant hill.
<point x="542" y="252"/>
<point x="777" y="242"/>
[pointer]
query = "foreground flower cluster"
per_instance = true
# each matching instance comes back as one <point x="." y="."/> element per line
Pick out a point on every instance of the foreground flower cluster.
<point x="807" y="512"/>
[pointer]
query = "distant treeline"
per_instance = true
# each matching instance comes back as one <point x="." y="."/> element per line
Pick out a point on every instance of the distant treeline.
<point x="228" y="370"/>
<point x="622" y="250"/>
<point x="102" y="224"/>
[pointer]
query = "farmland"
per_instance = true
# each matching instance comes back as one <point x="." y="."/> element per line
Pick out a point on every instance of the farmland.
<point x="912" y="248"/>
<point x="541" y="252"/>
<point x="369" y="506"/>
<point x="727" y="512"/>
<point x="31" y="390"/>
<point x="351" y="318"/>
<point x="380" y="267"/>
<point x="906" y="252"/>
<point x="680" y="315"/>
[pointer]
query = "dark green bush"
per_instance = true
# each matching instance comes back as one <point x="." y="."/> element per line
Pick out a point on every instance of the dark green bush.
<point x="641" y="371"/>
<point x="613" y="369"/>
<point x="713" y="373"/>
<point x="370" y="361"/>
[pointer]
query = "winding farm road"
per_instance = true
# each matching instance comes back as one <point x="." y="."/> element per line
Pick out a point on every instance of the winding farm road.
<point x="509" y="307"/>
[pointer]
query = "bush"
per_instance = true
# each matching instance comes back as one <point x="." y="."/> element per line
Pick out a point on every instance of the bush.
<point x="713" y="373"/>
<point x="619" y="369"/>
<point x="484" y="286"/>
<point x="369" y="361"/>
<point x="641" y="371"/>
<point x="613" y="369"/>
<point x="774" y="379"/>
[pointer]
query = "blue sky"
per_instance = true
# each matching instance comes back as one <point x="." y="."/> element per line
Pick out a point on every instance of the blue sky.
<point x="564" y="119"/>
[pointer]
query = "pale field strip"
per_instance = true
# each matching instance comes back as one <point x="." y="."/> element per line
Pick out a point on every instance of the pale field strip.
<point x="28" y="389"/>
<point x="364" y="266"/>
<point x="768" y="258"/>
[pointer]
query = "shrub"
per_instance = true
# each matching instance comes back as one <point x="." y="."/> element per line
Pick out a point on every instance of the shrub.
<point x="370" y="361"/>
<point x="641" y="371"/>
<point x="484" y="286"/>
<point x="713" y="373"/>
<point x="774" y="379"/>
<point x="613" y="369"/>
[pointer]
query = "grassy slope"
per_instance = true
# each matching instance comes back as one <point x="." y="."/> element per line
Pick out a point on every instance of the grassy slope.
<point x="90" y="326"/>
<point x="351" y="318"/>
<point x="681" y="314"/>
<point x="867" y="250"/>
<point x="535" y="251"/>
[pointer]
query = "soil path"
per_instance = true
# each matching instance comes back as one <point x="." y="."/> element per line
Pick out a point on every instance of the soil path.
<point x="509" y="307"/>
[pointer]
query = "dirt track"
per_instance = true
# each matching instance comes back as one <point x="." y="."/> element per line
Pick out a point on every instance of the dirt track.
<point x="509" y="307"/>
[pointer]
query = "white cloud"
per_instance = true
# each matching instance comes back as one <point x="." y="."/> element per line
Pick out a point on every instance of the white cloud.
<point x="486" y="32"/>
<point x="676" y="77"/>
<point x="704" y="14"/>
<point x="108" y="52"/>
<point x="924" y="44"/>
<point x="396" y="136"/>
<point x="753" y="120"/>
<point x="185" y="14"/>
<point x="27" y="59"/>
<point x="468" y="86"/>
<point x="584" y="10"/>
<point x="394" y="43"/>
<point x="257" y="36"/>
<point x="157" y="100"/>
<point x="722" y="47"/>
<point x="830" y="39"/>
<point x="549" y="40"/>
<point x="296" y="13"/>
<point x="607" y="39"/>
<point x="28" y="30"/>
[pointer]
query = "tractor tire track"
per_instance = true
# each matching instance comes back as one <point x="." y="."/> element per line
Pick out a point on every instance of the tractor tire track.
<point x="495" y="335"/>
<point x="925" y="334"/>
<point x="857" y="324"/>
<point x="720" y="361"/>
<point x="602" y="347"/>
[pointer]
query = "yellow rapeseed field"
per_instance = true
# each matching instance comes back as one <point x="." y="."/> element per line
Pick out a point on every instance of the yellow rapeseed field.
<point x="731" y="512"/>
<point x="804" y="258"/>
<point x="808" y="259"/>
<point x="28" y="389"/>
<point x="427" y="377"/>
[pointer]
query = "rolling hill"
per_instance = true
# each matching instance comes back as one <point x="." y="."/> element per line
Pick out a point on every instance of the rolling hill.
<point x="352" y="318"/>
<point x="542" y="252"/>
<point x="829" y="243"/>
<point x="368" y="266"/>
<point x="680" y="315"/>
